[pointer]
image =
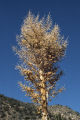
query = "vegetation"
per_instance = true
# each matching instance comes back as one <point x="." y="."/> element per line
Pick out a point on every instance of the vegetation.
<point x="41" y="47"/>
<point x="11" y="109"/>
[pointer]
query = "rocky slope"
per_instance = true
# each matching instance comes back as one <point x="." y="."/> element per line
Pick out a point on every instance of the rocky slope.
<point x="11" y="109"/>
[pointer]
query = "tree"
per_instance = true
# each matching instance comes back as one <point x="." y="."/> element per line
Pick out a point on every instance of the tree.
<point x="41" y="47"/>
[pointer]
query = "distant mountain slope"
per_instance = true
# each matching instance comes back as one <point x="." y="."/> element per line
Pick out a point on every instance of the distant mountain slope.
<point x="11" y="109"/>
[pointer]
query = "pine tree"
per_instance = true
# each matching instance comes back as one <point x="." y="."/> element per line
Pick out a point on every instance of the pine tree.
<point x="41" y="47"/>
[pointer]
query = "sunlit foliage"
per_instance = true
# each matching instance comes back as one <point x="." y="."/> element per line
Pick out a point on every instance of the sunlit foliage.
<point x="40" y="47"/>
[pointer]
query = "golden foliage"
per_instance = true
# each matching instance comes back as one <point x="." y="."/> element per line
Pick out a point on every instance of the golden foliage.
<point x="41" y="46"/>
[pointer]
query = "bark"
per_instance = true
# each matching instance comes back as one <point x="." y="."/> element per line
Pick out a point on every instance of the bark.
<point x="43" y="97"/>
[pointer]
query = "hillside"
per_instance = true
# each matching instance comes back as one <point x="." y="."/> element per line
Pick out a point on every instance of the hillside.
<point x="11" y="109"/>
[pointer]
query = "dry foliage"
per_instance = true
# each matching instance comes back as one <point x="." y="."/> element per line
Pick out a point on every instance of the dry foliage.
<point x="40" y="47"/>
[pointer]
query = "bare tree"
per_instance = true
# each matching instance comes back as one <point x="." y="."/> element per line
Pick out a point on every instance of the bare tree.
<point x="41" y="47"/>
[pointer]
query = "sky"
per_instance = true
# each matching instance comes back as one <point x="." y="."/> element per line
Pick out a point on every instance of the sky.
<point x="65" y="13"/>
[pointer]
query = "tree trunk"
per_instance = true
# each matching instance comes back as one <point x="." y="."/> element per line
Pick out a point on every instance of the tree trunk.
<point x="43" y="97"/>
<point x="44" y="111"/>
